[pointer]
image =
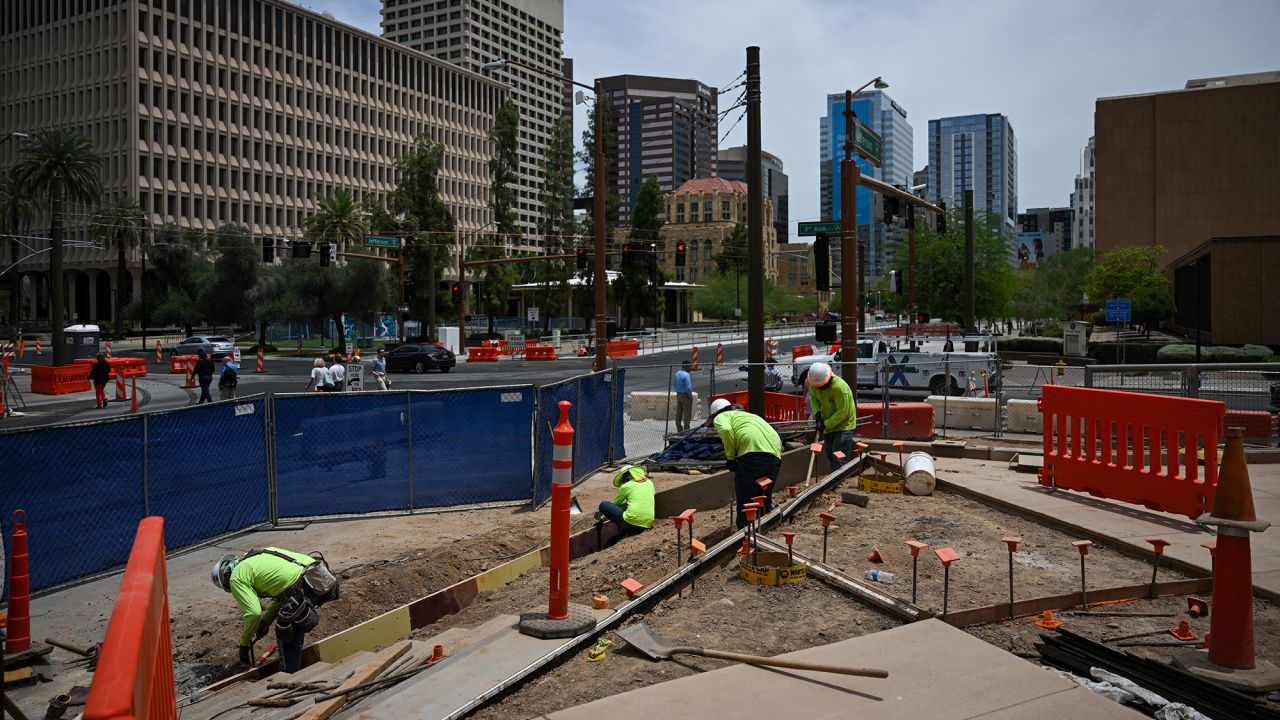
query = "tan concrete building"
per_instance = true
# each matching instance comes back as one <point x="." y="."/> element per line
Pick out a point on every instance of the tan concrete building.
<point x="794" y="263"/>
<point x="702" y="213"/>
<point x="236" y="111"/>
<point x="1197" y="171"/>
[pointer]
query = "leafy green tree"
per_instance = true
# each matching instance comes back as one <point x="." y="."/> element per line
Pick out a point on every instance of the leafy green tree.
<point x="940" y="269"/>
<point x="718" y="297"/>
<point x="1151" y="305"/>
<point x="557" y="224"/>
<point x="495" y="289"/>
<point x="639" y="285"/>
<point x="584" y="296"/>
<point x="223" y="299"/>
<point x="59" y="166"/>
<point x="16" y="213"/>
<point x="1054" y="287"/>
<point x="122" y="221"/>
<point x="1117" y="274"/>
<point x="338" y="219"/>
<point x="417" y="199"/>
<point x="732" y="258"/>
<point x="178" y="273"/>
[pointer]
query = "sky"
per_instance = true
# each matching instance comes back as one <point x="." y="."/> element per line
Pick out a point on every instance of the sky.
<point x="1042" y="63"/>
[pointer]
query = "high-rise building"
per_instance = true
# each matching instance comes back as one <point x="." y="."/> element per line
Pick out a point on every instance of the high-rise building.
<point x="732" y="165"/>
<point x="888" y="119"/>
<point x="471" y="33"/>
<point x="666" y="128"/>
<point x="1196" y="172"/>
<point x="701" y="215"/>
<point x="978" y="153"/>
<point x="244" y="112"/>
<point x="1042" y="233"/>
<point x="920" y="183"/>
<point x="1082" y="199"/>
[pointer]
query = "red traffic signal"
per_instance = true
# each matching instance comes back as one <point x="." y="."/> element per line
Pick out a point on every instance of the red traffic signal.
<point x="680" y="255"/>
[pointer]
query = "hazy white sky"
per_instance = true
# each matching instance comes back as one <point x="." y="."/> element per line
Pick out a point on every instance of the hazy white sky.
<point x="1042" y="63"/>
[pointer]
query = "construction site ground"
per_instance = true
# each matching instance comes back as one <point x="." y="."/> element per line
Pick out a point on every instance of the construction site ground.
<point x="387" y="561"/>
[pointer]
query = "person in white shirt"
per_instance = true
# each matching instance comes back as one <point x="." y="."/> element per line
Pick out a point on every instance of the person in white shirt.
<point x="339" y="373"/>
<point x="321" y="380"/>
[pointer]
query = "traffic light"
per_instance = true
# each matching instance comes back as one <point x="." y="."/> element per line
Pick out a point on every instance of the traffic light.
<point x="268" y="250"/>
<point x="680" y="255"/>
<point x="457" y="294"/>
<point x="895" y="281"/>
<point x="408" y="290"/>
<point x="911" y="216"/>
<point x="891" y="206"/>
<point x="326" y="255"/>
<point x="582" y="258"/>
<point x="942" y="219"/>
<point x="822" y="263"/>
<point x="301" y="249"/>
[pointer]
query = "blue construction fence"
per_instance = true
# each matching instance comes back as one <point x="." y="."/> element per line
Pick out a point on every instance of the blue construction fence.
<point x="220" y="468"/>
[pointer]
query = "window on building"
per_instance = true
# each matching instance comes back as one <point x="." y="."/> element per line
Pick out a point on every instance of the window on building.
<point x="679" y="212"/>
<point x="724" y="210"/>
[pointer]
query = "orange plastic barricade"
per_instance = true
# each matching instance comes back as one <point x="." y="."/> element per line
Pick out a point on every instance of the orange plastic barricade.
<point x="178" y="364"/>
<point x="778" y="407"/>
<point x="134" y="678"/>
<point x="1133" y="447"/>
<point x="47" y="380"/>
<point x="486" y="353"/>
<point x="907" y="421"/>
<point x="799" y="351"/>
<point x="1258" y="425"/>
<point x="539" y="352"/>
<point x="623" y="348"/>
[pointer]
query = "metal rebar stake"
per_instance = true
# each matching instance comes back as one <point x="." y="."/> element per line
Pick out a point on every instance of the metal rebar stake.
<point x="915" y="560"/>
<point x="946" y="588"/>
<point x="1084" y="598"/>
<point x="1010" y="584"/>
<point x="824" y="544"/>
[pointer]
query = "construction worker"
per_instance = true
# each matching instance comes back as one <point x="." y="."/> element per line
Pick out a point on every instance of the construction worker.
<point x="834" y="410"/>
<point x="753" y="451"/>
<point x="297" y="584"/>
<point x="632" y="508"/>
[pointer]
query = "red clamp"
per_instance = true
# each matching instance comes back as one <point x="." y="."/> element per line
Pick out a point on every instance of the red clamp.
<point x="1158" y="545"/>
<point x="947" y="556"/>
<point x="789" y="537"/>
<point x="749" y="512"/>
<point x="815" y="448"/>
<point x="1082" y="546"/>
<point x="759" y="500"/>
<point x="632" y="586"/>
<point x="1012" y="542"/>
<point x="916" y="546"/>
<point x="899" y="445"/>
<point x="838" y="455"/>
<point x="791" y="490"/>
<point x="860" y="448"/>
<point x="827" y="519"/>
<point x="684" y="517"/>
<point x="1211" y="546"/>
<point x="764" y="484"/>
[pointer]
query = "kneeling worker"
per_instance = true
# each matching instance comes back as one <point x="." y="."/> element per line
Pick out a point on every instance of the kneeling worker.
<point x="297" y="583"/>
<point x="632" y="508"/>
<point x="835" y="411"/>
<point x="752" y="448"/>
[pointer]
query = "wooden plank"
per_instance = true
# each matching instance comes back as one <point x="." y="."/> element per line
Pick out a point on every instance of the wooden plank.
<point x="1069" y="601"/>
<point x="867" y="593"/>
<point x="380" y="662"/>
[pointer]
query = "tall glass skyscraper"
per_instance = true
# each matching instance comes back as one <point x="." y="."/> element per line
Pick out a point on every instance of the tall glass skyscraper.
<point x="979" y="153"/>
<point x="889" y="120"/>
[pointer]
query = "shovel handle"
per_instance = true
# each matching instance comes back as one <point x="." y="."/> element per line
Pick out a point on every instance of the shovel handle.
<point x="781" y="662"/>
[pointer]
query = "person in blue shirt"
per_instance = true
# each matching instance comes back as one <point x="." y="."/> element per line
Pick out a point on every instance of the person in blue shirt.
<point x="684" y="397"/>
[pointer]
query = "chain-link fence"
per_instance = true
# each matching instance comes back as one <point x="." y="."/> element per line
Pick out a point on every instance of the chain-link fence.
<point x="229" y="466"/>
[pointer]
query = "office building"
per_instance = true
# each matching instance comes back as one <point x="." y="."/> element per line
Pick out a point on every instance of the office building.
<point x="471" y="33"/>
<point x="702" y="214"/>
<point x="1197" y="172"/>
<point x="794" y="260"/>
<point x="978" y="153"/>
<point x="1082" y="201"/>
<point x="231" y="112"/>
<point x="877" y="110"/>
<point x="732" y="164"/>
<point x="666" y="128"/>
<point x="920" y="183"/>
<point x="1042" y="233"/>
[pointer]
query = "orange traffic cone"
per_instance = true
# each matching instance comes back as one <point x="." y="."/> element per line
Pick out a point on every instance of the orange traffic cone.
<point x="875" y="555"/>
<point x="1047" y="622"/>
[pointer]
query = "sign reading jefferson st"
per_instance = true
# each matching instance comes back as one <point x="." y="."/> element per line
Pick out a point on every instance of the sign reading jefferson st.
<point x="819" y="228"/>
<point x="377" y="241"/>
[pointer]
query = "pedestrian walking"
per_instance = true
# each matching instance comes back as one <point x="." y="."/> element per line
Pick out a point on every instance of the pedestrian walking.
<point x="380" y="370"/>
<point x="753" y="451"/>
<point x="321" y="380"/>
<point x="297" y="585"/>
<point x="228" y="379"/>
<point x="684" y="397"/>
<point x="204" y="375"/>
<point x="835" y="412"/>
<point x="100" y="374"/>
<point x="339" y="373"/>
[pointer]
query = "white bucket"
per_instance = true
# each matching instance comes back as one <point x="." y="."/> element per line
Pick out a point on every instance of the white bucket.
<point x="919" y="473"/>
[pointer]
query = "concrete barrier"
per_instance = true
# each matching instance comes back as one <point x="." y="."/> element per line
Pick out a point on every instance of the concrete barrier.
<point x="965" y="413"/>
<point x="1022" y="416"/>
<point x="657" y="406"/>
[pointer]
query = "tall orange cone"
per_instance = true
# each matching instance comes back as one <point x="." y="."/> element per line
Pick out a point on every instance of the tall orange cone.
<point x="39" y="350"/>
<point x="159" y="354"/>
<point x="22" y="347"/>
<point x="1230" y="659"/>
<point x="19" y="627"/>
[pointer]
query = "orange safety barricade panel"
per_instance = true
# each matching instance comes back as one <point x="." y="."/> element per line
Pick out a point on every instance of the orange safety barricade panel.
<point x="539" y="352"/>
<point x="623" y="348"/>
<point x="487" y="353"/>
<point x="47" y="380"/>
<point x="134" y="678"/>
<point x="1257" y="424"/>
<point x="178" y="363"/>
<point x="907" y="421"/>
<point x="778" y="407"/>
<point x="799" y="351"/>
<point x="1133" y="447"/>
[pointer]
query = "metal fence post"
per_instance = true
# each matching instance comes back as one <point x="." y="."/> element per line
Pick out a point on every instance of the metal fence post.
<point x="713" y="383"/>
<point x="577" y="414"/>
<point x="666" y="423"/>
<point x="1192" y="380"/>
<point x="269" y="456"/>
<point x="408" y="407"/>
<point x="946" y="393"/>
<point x="146" y="493"/>
<point x="614" y="409"/>
<point x="884" y="393"/>
<point x="1088" y="376"/>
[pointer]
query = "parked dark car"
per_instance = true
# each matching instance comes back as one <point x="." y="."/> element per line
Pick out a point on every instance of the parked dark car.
<point x="419" y="358"/>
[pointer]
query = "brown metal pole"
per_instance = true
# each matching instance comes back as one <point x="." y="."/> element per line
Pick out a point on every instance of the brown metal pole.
<point x="848" y="246"/>
<point x="755" y="241"/>
<point x="601" y="275"/>
<point x="403" y="315"/>
<point x="969" y="300"/>
<point x="911" y="266"/>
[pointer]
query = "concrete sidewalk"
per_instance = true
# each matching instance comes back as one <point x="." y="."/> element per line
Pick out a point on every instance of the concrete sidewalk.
<point x="1120" y="523"/>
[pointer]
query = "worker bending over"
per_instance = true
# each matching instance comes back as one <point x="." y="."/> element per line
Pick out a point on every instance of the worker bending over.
<point x="632" y="508"/>
<point x="296" y="583"/>
<point x="753" y="451"/>
<point x="834" y="410"/>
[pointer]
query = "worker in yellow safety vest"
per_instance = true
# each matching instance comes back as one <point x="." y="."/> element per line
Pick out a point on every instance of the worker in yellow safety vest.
<point x="752" y="450"/>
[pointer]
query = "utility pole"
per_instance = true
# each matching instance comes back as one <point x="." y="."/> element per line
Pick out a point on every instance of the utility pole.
<point x="601" y="275"/>
<point x="755" y="241"/>
<point x="862" y="282"/>
<point x="911" y="266"/>
<point x="849" y="312"/>
<point x="431" y="295"/>
<point x="969" y="311"/>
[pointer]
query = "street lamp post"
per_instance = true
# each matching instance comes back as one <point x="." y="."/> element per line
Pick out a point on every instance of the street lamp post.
<point x="601" y="275"/>
<point x="849" y="179"/>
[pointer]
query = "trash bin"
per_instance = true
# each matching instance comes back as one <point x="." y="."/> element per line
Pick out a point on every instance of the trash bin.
<point x="81" y="341"/>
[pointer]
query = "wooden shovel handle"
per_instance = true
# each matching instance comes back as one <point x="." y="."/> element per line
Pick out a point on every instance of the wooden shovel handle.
<point x="782" y="663"/>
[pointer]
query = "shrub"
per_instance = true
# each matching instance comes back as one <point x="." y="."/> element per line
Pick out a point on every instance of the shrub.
<point x="1052" y="329"/>
<point x="1032" y="344"/>
<point x="1134" y="353"/>
<point x="1221" y="354"/>
<point x="1178" y="353"/>
<point x="1255" y="353"/>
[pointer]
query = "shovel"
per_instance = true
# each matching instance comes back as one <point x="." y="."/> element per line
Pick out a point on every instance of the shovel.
<point x="643" y="638"/>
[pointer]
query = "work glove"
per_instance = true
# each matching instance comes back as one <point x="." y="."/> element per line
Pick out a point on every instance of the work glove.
<point x="246" y="656"/>
<point x="731" y="465"/>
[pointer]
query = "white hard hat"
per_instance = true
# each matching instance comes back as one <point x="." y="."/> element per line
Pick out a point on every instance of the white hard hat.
<point x="718" y="406"/>
<point x="625" y="473"/>
<point x="221" y="572"/>
<point x="819" y="374"/>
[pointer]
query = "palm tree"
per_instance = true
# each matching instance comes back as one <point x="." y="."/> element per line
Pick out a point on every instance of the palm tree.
<point x="338" y="218"/>
<point x="16" y="212"/>
<point x="122" y="220"/>
<point x="57" y="166"/>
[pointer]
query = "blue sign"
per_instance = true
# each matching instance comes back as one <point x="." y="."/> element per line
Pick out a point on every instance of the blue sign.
<point x="1119" y="310"/>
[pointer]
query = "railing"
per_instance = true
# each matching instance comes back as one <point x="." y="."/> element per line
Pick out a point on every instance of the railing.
<point x="134" y="679"/>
